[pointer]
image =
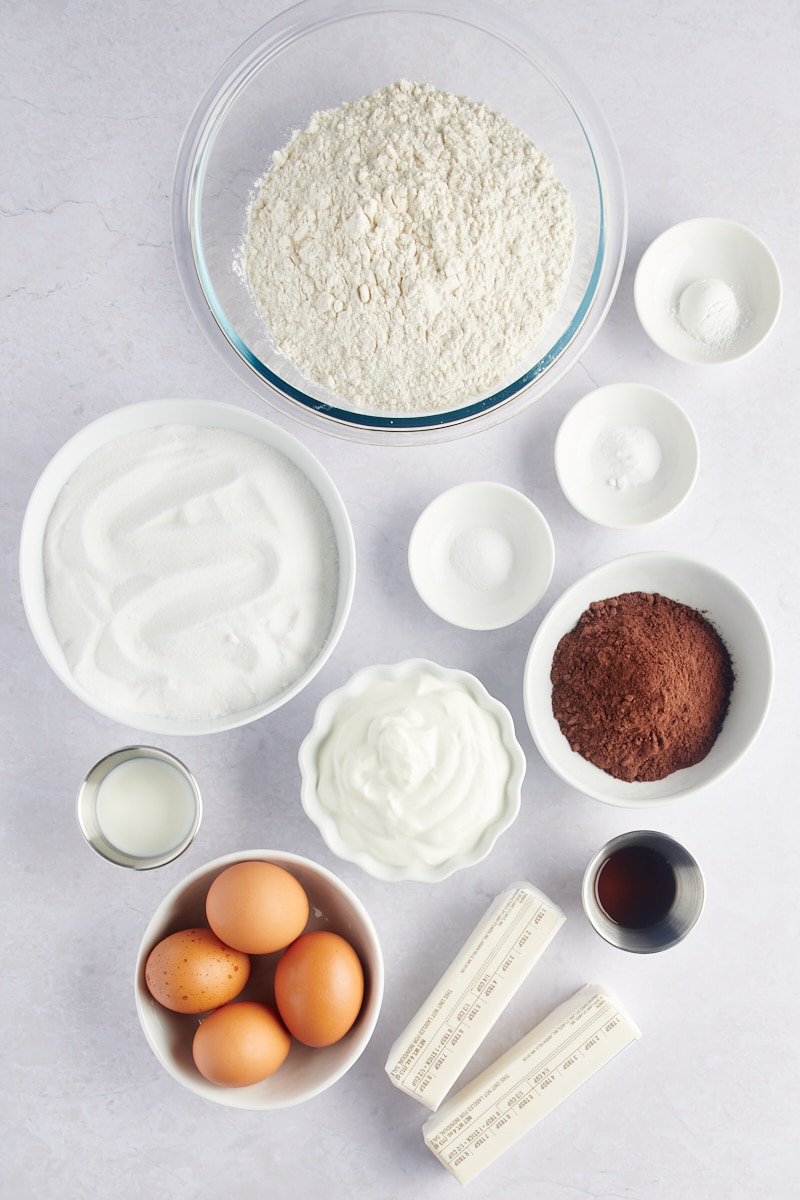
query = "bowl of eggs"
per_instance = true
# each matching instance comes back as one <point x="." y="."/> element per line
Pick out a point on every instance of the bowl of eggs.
<point x="259" y="980"/>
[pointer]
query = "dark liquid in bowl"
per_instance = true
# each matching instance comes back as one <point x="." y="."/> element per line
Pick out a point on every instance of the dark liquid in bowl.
<point x="635" y="887"/>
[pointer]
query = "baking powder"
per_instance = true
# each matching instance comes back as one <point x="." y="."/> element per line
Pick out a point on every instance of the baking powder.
<point x="407" y="250"/>
<point x="709" y="311"/>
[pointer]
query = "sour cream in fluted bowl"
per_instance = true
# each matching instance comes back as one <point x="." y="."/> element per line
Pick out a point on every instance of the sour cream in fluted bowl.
<point x="411" y="770"/>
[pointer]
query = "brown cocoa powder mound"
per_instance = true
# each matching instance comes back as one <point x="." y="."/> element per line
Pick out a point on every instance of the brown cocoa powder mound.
<point x="641" y="686"/>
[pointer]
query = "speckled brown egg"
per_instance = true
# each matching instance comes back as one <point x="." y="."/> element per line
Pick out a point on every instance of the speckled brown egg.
<point x="192" y="971"/>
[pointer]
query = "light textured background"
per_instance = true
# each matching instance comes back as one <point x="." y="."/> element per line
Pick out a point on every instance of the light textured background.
<point x="703" y="100"/>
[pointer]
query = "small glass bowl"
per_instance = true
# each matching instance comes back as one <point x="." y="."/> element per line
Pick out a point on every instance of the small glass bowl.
<point x="321" y="53"/>
<point x="90" y="824"/>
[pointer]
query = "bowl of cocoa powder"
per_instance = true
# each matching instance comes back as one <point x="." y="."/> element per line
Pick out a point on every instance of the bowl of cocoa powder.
<point x="648" y="680"/>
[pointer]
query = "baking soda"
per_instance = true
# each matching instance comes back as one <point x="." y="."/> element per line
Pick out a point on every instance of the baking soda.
<point x="629" y="455"/>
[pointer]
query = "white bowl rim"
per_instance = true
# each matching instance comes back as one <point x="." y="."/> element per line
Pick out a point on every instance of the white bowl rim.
<point x="656" y="398"/>
<point x="147" y="414"/>
<point x="157" y="929"/>
<point x="679" y="345"/>
<point x="631" y="795"/>
<point x="537" y="525"/>
<point x="326" y="822"/>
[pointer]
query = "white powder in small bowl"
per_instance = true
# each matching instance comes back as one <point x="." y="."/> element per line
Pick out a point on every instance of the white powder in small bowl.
<point x="483" y="558"/>
<point x="629" y="456"/>
<point x="709" y="311"/>
<point x="190" y="572"/>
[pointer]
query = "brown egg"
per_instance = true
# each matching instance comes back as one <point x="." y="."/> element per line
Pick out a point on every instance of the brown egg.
<point x="240" y="1044"/>
<point x="256" y="907"/>
<point x="192" y="971"/>
<point x="319" y="987"/>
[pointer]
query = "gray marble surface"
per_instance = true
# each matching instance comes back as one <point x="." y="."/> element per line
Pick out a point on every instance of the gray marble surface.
<point x="703" y="101"/>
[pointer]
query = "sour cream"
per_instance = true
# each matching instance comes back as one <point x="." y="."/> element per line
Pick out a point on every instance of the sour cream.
<point x="413" y="770"/>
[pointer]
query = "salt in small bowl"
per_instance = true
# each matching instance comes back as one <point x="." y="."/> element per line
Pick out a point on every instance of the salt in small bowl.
<point x="707" y="291"/>
<point x="626" y="455"/>
<point x="481" y="555"/>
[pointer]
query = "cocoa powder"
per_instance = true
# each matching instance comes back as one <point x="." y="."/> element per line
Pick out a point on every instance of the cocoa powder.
<point x="641" y="686"/>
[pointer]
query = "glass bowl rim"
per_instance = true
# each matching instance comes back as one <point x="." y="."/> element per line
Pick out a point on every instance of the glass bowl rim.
<point x="272" y="38"/>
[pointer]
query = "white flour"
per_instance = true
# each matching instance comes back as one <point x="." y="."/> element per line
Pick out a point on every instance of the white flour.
<point x="407" y="250"/>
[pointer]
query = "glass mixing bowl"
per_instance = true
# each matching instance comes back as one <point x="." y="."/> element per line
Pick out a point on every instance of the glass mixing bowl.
<point x="316" y="56"/>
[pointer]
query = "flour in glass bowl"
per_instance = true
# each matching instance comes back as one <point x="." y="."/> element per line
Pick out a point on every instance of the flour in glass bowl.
<point x="407" y="250"/>
<point x="190" y="572"/>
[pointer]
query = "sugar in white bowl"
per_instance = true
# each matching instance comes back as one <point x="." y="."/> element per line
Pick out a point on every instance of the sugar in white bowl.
<point x="186" y="567"/>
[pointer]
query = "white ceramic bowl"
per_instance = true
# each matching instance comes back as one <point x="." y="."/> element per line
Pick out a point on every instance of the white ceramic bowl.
<point x="689" y="582"/>
<point x="581" y="465"/>
<point x="307" y="1071"/>
<point x="149" y="414"/>
<point x="321" y="53"/>
<point x="485" y="833"/>
<point x="707" y="249"/>
<point x="481" y="555"/>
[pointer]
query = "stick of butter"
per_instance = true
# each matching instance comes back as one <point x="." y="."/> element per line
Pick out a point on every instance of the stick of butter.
<point x="437" y="1043"/>
<point x="485" y="1118"/>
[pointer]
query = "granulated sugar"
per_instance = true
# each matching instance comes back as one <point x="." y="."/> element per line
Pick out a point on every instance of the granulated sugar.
<point x="190" y="572"/>
<point x="407" y="250"/>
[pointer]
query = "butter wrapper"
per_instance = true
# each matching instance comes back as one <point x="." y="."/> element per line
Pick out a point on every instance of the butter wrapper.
<point x="434" y="1048"/>
<point x="487" y="1116"/>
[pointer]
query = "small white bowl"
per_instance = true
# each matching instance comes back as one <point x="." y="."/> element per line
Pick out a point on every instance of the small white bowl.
<point x="333" y="827"/>
<point x="719" y="252"/>
<point x="307" y="1071"/>
<point x="481" y="555"/>
<point x="582" y="463"/>
<point x="737" y="621"/>
<point x="203" y="413"/>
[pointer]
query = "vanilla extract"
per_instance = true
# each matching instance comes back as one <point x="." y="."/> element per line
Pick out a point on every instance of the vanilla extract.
<point x="636" y="887"/>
